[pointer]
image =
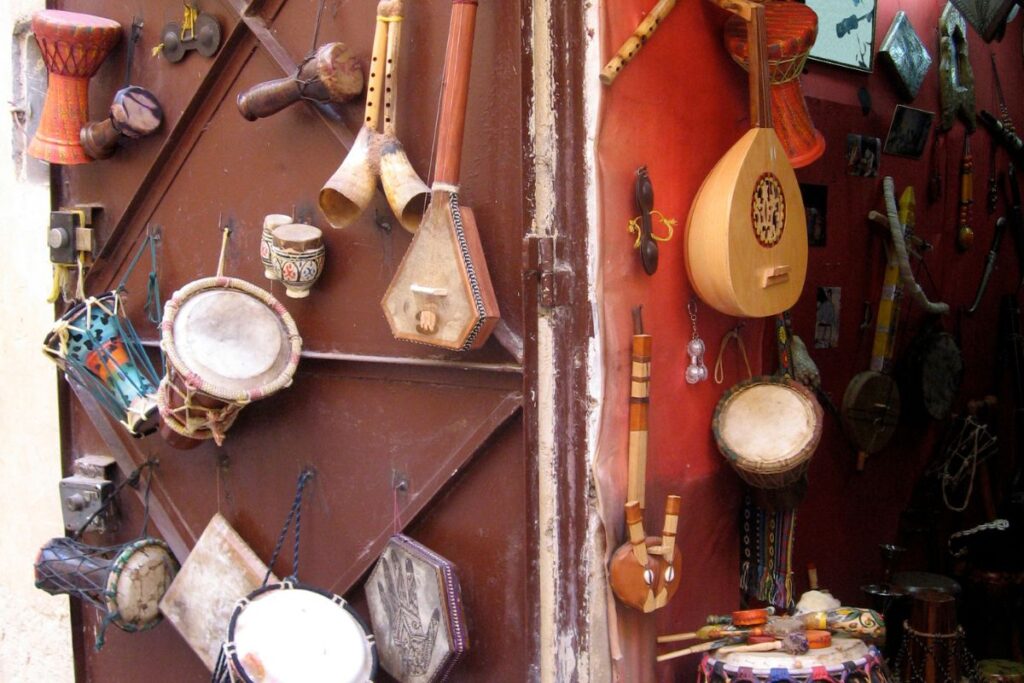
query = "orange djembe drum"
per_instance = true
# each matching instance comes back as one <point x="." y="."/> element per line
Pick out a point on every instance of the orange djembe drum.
<point x="73" y="46"/>
<point x="791" y="28"/>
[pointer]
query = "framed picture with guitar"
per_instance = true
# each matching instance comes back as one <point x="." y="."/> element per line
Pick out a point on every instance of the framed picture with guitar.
<point x="846" y="33"/>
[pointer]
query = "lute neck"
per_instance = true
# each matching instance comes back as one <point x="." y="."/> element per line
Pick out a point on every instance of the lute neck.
<point x="760" y="85"/>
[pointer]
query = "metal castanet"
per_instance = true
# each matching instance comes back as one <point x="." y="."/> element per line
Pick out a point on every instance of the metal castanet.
<point x="331" y="74"/>
<point x="134" y="113"/>
<point x="441" y="294"/>
<point x="73" y="47"/>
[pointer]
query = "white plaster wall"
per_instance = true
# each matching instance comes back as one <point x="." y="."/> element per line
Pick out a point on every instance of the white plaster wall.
<point x="35" y="635"/>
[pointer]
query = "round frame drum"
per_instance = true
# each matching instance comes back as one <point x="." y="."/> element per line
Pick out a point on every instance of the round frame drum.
<point x="228" y="343"/>
<point x="290" y="633"/>
<point x="767" y="428"/>
<point x="846" y="660"/>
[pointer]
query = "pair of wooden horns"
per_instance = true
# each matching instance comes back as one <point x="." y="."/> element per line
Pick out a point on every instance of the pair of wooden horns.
<point x="348" y="192"/>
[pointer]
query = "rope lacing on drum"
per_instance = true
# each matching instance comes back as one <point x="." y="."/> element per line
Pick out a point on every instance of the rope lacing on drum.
<point x="947" y="660"/>
<point x="296" y="514"/>
<point x="222" y="671"/>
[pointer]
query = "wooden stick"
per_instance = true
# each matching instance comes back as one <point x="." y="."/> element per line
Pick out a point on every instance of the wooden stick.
<point x="375" y="82"/>
<point x="639" y="397"/>
<point x="394" y="41"/>
<point x="756" y="647"/>
<point x="635" y="526"/>
<point x="703" y="647"/>
<point x="633" y="44"/>
<point x="455" y="92"/>
<point x="677" y="637"/>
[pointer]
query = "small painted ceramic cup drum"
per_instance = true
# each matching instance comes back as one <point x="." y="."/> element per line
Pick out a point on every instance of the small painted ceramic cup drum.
<point x="271" y="221"/>
<point x="298" y="254"/>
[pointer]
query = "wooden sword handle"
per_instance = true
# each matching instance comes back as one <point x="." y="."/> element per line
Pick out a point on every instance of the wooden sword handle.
<point x="633" y="44"/>
<point x="455" y="92"/>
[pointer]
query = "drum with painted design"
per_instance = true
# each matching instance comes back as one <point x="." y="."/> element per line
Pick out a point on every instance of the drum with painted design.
<point x="845" y="660"/>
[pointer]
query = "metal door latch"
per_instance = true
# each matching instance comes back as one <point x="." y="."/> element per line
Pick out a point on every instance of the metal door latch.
<point x="86" y="491"/>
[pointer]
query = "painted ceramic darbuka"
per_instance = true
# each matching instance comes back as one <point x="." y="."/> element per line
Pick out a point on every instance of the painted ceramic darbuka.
<point x="298" y="253"/>
<point x="270" y="222"/>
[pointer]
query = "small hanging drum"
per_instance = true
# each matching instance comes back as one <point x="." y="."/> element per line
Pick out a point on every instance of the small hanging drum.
<point x="290" y="633"/>
<point x="228" y="343"/>
<point x="767" y="428"/>
<point x="97" y="347"/>
<point x="73" y="46"/>
<point x="846" y="659"/>
<point x="125" y="582"/>
<point x="791" y="29"/>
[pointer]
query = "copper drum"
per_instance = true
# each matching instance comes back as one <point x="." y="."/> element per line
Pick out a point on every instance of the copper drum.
<point x="227" y="343"/>
<point x="298" y="253"/>
<point x="791" y="29"/>
<point x="73" y="46"/>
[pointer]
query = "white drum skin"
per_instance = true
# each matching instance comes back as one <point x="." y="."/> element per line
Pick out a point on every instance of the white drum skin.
<point x="282" y="634"/>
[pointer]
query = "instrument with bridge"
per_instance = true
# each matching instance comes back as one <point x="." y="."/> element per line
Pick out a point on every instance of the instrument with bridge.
<point x="746" y="241"/>
<point x="441" y="294"/>
<point x="791" y="29"/>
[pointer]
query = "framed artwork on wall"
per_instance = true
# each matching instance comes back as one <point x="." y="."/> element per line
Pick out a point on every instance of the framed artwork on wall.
<point x="908" y="132"/>
<point x="846" y="33"/>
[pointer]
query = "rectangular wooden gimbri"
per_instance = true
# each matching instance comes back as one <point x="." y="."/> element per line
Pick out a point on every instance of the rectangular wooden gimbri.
<point x="416" y="610"/>
<point x="220" y="570"/>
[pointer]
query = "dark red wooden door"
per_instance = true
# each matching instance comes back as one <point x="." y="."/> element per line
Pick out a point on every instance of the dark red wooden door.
<point x="364" y="409"/>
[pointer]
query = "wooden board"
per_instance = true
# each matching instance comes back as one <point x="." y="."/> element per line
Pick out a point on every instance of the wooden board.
<point x="219" y="571"/>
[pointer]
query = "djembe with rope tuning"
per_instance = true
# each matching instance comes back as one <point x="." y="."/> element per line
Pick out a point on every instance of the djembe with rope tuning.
<point x="73" y="46"/>
<point x="791" y="30"/>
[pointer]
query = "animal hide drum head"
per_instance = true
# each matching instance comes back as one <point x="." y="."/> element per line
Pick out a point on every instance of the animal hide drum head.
<point x="416" y="611"/>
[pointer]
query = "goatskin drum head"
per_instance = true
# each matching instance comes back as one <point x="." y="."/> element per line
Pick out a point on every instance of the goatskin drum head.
<point x="767" y="422"/>
<point x="231" y="339"/>
<point x="137" y="582"/>
<point x="297" y="635"/>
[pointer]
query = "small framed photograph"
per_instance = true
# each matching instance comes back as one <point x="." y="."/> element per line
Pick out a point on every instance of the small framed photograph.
<point x="816" y="207"/>
<point x="846" y="33"/>
<point x="826" y="323"/>
<point x="862" y="155"/>
<point x="908" y="132"/>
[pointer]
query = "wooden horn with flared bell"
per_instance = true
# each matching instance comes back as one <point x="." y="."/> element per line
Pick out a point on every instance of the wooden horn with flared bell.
<point x="348" y="192"/>
<point x="407" y="194"/>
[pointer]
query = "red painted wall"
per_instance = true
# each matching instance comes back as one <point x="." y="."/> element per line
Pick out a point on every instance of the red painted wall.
<point x="677" y="108"/>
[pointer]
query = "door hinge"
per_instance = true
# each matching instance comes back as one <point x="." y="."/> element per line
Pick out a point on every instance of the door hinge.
<point x="541" y="264"/>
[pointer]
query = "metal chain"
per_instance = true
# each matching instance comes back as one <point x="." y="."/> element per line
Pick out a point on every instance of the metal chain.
<point x="296" y="514"/>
